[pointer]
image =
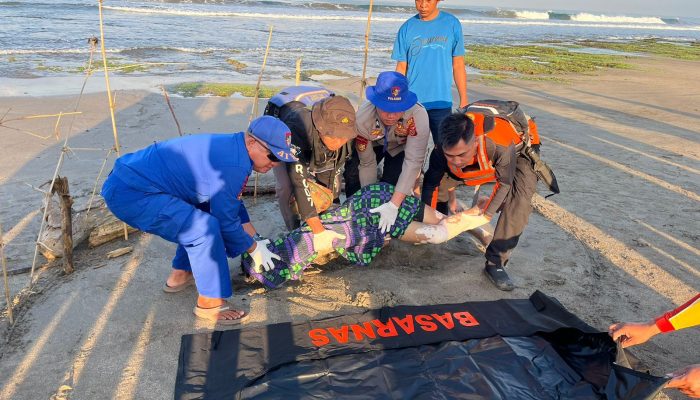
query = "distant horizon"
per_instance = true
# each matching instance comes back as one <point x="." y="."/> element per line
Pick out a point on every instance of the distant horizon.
<point x="647" y="8"/>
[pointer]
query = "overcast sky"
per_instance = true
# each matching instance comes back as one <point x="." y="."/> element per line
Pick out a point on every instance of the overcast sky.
<point x="670" y="8"/>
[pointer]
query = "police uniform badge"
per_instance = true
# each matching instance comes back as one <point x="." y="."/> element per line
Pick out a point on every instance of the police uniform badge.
<point x="377" y="130"/>
<point x="361" y="143"/>
<point x="411" y="127"/>
<point x="400" y="129"/>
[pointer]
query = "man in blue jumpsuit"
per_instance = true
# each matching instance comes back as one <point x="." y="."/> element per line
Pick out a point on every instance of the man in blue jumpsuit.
<point x="187" y="190"/>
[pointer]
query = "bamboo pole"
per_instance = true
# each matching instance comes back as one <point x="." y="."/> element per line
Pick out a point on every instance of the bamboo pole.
<point x="297" y="80"/>
<point x="94" y="187"/>
<point x="109" y="95"/>
<point x="4" y="276"/>
<point x="172" y="112"/>
<point x="41" y="116"/>
<point x="254" y="110"/>
<point x="363" y="82"/>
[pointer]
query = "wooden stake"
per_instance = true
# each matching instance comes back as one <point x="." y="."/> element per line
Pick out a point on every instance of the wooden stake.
<point x="94" y="187"/>
<point x="298" y="75"/>
<point x="172" y="112"/>
<point x="4" y="275"/>
<point x="61" y="187"/>
<point x="363" y="82"/>
<point x="109" y="96"/>
<point x="254" y="110"/>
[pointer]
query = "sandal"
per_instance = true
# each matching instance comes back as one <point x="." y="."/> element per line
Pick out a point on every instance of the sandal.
<point x="178" y="288"/>
<point x="212" y="314"/>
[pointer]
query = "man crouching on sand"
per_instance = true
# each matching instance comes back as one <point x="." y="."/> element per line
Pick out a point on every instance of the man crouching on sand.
<point x="187" y="191"/>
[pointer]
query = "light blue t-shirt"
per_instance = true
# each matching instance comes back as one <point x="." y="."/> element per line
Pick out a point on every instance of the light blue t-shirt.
<point x="428" y="47"/>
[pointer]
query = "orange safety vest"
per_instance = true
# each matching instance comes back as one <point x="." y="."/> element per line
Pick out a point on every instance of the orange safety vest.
<point x="501" y="132"/>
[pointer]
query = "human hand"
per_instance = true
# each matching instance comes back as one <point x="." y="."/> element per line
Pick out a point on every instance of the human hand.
<point x="455" y="206"/>
<point x="262" y="257"/>
<point x="323" y="241"/>
<point x="387" y="215"/>
<point x="687" y="380"/>
<point x="633" y="333"/>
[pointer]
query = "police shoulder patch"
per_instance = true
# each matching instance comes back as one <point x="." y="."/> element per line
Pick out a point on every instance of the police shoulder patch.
<point x="361" y="143"/>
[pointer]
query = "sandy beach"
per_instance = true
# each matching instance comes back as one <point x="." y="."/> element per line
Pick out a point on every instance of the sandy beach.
<point x="620" y="243"/>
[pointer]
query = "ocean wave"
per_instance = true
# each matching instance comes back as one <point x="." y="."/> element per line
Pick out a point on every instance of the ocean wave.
<point x="311" y="5"/>
<point x="51" y="51"/>
<point x="694" y="28"/>
<point x="612" y="22"/>
<point x="171" y="11"/>
<point x="531" y="15"/>
<point x="579" y="17"/>
<point x="586" y="17"/>
<point x="127" y="50"/>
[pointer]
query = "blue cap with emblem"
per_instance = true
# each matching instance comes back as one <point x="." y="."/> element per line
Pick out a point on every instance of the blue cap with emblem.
<point x="391" y="93"/>
<point x="275" y="135"/>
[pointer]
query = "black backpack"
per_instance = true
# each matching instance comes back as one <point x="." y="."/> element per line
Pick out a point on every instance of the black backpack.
<point x="295" y="97"/>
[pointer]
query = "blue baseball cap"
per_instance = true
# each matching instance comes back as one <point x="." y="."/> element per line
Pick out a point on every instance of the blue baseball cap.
<point x="276" y="136"/>
<point x="391" y="93"/>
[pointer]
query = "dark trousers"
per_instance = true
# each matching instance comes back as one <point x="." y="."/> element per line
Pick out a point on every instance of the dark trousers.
<point x="514" y="214"/>
<point x="435" y="116"/>
<point x="390" y="173"/>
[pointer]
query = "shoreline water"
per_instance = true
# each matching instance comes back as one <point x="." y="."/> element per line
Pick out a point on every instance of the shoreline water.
<point x="551" y="60"/>
<point x="193" y="38"/>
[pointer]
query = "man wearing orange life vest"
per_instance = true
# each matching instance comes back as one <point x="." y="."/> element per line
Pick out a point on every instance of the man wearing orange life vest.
<point x="475" y="149"/>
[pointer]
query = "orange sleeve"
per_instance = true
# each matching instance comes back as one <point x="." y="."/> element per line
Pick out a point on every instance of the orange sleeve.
<point x="682" y="317"/>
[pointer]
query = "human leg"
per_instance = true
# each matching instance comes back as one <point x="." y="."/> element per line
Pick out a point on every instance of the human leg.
<point x="435" y="117"/>
<point x="438" y="228"/>
<point x="513" y="219"/>
<point x="175" y="220"/>
<point x="351" y="174"/>
<point x="392" y="168"/>
<point x="283" y="192"/>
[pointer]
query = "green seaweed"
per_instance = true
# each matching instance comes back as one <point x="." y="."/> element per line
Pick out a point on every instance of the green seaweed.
<point x="538" y="60"/>
<point x="682" y="51"/>
<point x="48" y="68"/>
<point x="193" y="89"/>
<point x="116" y="66"/>
<point x="237" y="65"/>
<point x="307" y="74"/>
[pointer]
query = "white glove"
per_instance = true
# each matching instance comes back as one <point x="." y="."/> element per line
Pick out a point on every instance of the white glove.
<point x="262" y="257"/>
<point x="323" y="242"/>
<point x="388" y="213"/>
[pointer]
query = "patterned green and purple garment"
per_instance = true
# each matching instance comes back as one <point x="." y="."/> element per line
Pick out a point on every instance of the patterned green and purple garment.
<point x="363" y="240"/>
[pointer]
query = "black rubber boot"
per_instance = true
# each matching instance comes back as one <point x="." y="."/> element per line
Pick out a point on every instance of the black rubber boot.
<point x="499" y="277"/>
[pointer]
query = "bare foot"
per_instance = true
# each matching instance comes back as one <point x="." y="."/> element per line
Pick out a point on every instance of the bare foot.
<point x="178" y="277"/>
<point x="209" y="303"/>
